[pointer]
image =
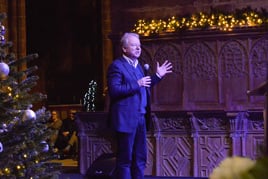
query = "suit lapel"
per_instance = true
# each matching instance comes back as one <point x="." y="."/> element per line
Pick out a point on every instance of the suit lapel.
<point x="129" y="69"/>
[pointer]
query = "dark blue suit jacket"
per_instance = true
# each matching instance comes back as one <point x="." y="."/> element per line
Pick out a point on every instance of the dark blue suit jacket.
<point x="124" y="93"/>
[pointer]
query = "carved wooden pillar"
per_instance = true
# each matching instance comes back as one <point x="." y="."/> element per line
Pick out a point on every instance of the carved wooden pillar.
<point x="15" y="25"/>
<point x="4" y="9"/>
<point x="261" y="90"/>
<point x="238" y="129"/>
<point x="106" y="41"/>
<point x="157" y="135"/>
<point x="265" y="124"/>
<point x="195" y="143"/>
<point x="3" y="6"/>
<point x="195" y="153"/>
<point x="157" y="153"/>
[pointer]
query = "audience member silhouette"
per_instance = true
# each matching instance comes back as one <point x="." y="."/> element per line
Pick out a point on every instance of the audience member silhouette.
<point x="55" y="124"/>
<point x="67" y="141"/>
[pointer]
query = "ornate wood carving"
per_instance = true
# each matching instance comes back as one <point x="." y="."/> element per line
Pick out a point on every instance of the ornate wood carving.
<point x="185" y="143"/>
<point x="212" y="69"/>
<point x="201" y="112"/>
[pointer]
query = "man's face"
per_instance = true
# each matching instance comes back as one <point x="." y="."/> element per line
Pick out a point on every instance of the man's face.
<point x="54" y="115"/>
<point x="133" y="48"/>
<point x="72" y="114"/>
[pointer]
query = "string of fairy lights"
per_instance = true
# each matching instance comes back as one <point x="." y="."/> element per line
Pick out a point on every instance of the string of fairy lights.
<point x="214" y="20"/>
<point x="90" y="96"/>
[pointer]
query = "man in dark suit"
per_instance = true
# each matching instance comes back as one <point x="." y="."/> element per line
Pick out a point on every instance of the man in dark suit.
<point x="128" y="89"/>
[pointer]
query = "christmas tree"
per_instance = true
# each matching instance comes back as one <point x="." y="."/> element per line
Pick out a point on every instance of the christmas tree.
<point x="24" y="135"/>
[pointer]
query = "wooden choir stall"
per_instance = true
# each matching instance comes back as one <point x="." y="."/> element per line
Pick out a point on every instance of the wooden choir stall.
<point x="201" y="112"/>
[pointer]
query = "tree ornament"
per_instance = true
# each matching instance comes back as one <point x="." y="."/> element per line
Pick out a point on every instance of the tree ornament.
<point x="28" y="115"/>
<point x="45" y="146"/>
<point x="2" y="30"/>
<point x="2" y="33"/>
<point x="1" y="147"/>
<point x="3" y="128"/>
<point x="2" y="38"/>
<point x="4" y="70"/>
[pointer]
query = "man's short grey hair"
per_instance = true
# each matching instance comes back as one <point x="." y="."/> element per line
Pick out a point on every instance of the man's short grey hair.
<point x="124" y="38"/>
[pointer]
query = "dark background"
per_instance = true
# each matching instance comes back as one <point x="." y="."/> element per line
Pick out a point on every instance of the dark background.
<point x="67" y="36"/>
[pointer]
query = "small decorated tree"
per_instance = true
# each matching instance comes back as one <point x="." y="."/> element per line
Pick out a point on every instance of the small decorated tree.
<point x="24" y="151"/>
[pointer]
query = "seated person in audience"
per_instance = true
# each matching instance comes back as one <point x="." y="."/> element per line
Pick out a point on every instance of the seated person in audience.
<point x="55" y="124"/>
<point x="67" y="141"/>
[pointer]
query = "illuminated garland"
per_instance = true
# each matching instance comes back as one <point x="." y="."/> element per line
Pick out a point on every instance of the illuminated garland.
<point x="215" y="21"/>
<point x="90" y="96"/>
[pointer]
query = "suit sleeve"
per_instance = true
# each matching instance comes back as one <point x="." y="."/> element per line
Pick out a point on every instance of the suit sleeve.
<point x="120" y="84"/>
<point x="155" y="79"/>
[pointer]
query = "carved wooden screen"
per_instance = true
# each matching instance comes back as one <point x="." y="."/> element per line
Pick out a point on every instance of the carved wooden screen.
<point x="211" y="70"/>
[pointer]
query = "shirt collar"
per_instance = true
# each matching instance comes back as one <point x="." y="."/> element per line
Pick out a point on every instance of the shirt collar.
<point x="131" y="62"/>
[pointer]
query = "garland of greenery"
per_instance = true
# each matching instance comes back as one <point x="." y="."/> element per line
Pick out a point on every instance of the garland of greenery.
<point x="215" y="20"/>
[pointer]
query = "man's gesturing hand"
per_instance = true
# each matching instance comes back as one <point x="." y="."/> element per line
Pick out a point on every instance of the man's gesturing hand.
<point x="165" y="68"/>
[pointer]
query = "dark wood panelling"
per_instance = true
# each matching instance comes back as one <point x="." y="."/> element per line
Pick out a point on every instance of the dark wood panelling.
<point x="185" y="143"/>
<point x="212" y="69"/>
